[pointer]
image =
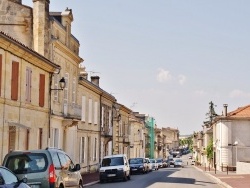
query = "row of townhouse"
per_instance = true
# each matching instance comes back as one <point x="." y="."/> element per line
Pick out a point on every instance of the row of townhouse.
<point x="228" y="134"/>
<point x="47" y="100"/>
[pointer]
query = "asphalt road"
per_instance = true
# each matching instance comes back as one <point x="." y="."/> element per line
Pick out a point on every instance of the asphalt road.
<point x="170" y="177"/>
<point x="167" y="177"/>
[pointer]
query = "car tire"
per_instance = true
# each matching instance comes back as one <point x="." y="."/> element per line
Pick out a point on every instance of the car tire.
<point x="125" y="178"/>
<point x="128" y="177"/>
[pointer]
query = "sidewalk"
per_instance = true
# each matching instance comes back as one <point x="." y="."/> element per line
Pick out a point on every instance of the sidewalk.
<point x="90" y="178"/>
<point x="230" y="180"/>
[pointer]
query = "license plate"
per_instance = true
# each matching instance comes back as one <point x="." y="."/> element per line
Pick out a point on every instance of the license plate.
<point x="111" y="175"/>
<point x="35" y="186"/>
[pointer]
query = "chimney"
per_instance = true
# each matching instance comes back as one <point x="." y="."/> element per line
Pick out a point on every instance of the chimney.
<point x="225" y="109"/>
<point x="95" y="80"/>
<point x="83" y="74"/>
<point x="41" y="28"/>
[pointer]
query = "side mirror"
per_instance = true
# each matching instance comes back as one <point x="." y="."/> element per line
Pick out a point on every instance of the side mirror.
<point x="24" y="180"/>
<point x="77" y="167"/>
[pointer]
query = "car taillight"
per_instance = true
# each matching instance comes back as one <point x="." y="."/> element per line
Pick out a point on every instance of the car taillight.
<point x="52" y="174"/>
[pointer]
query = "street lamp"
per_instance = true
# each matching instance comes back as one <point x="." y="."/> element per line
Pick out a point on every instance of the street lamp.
<point x="62" y="84"/>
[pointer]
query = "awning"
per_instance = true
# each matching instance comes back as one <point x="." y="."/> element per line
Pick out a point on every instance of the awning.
<point x="18" y="125"/>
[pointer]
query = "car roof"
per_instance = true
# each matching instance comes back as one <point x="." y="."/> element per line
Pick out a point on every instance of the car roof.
<point x="117" y="155"/>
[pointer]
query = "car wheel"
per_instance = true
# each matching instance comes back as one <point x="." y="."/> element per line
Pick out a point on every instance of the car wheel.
<point x="80" y="185"/>
<point x="125" y="178"/>
<point x="128" y="177"/>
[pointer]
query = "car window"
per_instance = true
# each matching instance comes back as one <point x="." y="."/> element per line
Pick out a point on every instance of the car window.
<point x="27" y="163"/>
<point x="55" y="160"/>
<point x="114" y="161"/>
<point x="8" y="176"/>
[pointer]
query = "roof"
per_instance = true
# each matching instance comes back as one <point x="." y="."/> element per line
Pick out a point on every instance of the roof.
<point x="241" y="112"/>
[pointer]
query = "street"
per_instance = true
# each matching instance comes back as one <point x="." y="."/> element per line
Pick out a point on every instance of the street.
<point x="169" y="177"/>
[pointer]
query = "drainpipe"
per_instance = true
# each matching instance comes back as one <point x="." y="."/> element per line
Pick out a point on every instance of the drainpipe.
<point x="100" y="121"/>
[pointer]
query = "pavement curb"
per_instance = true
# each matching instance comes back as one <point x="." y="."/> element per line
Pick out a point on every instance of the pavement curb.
<point x="215" y="178"/>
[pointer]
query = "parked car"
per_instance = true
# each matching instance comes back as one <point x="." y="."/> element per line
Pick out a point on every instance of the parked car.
<point x="193" y="162"/>
<point x="171" y="162"/>
<point x="138" y="165"/>
<point x="159" y="162"/>
<point x="164" y="163"/>
<point x="190" y="157"/>
<point x="9" y="180"/>
<point x="178" y="163"/>
<point x="114" y="167"/>
<point x="150" y="167"/>
<point x="44" y="168"/>
<point x="154" y="164"/>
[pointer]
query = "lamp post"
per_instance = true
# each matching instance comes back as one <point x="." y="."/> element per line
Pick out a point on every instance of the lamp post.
<point x="62" y="84"/>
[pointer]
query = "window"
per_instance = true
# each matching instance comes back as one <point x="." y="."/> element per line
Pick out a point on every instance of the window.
<point x="12" y="138"/>
<point x="40" y="138"/>
<point x="95" y="149"/>
<point x="66" y="94"/>
<point x="28" y="84"/>
<point x="41" y="90"/>
<point x="83" y="108"/>
<point x="0" y="73"/>
<point x="14" y="80"/>
<point x="27" y="139"/>
<point x="110" y="119"/>
<point x="102" y="124"/>
<point x="55" y="138"/>
<point x="90" y="110"/>
<point x="82" y="150"/>
<point x="95" y="113"/>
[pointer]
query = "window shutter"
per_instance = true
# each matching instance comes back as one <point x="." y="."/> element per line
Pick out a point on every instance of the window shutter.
<point x="28" y="84"/>
<point x="90" y="110"/>
<point x="102" y="117"/>
<point x="14" y="80"/>
<point x="42" y="90"/>
<point x="95" y="113"/>
<point x="83" y="108"/>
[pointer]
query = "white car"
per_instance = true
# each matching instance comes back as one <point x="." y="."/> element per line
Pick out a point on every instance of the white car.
<point x="114" y="167"/>
<point x="150" y="165"/>
<point x="154" y="164"/>
<point x="178" y="163"/>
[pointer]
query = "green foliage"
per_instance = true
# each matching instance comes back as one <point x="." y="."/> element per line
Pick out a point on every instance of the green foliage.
<point x="210" y="150"/>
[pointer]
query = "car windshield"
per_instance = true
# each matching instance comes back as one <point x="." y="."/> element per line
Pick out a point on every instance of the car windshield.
<point x="152" y="161"/>
<point x="178" y="160"/>
<point x="135" y="161"/>
<point x="27" y="163"/>
<point x="159" y="160"/>
<point x="113" y="161"/>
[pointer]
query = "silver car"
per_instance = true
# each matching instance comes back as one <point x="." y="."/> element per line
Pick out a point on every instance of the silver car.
<point x="44" y="168"/>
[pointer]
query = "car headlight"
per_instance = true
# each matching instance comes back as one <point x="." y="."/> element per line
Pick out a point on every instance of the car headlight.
<point x="102" y="170"/>
<point x="140" y="166"/>
<point x="120" y="169"/>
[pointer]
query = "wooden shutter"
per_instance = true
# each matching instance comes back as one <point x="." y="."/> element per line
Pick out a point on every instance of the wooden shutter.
<point x="41" y="90"/>
<point x="28" y="84"/>
<point x="14" y="80"/>
<point x="0" y="73"/>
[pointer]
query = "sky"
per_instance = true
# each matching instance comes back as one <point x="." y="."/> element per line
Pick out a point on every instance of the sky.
<point x="166" y="58"/>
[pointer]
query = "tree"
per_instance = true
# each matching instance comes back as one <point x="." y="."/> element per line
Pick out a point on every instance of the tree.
<point x="211" y="115"/>
<point x="210" y="150"/>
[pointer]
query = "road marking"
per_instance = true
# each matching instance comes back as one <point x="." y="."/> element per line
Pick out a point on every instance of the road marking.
<point x="231" y="177"/>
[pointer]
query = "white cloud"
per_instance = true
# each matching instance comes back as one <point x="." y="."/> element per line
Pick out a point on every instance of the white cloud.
<point x="163" y="75"/>
<point x="238" y="94"/>
<point x="182" y="79"/>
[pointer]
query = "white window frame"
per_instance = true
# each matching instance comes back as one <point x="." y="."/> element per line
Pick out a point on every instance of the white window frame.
<point x="56" y="87"/>
<point x="74" y="90"/>
<point x="82" y="150"/>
